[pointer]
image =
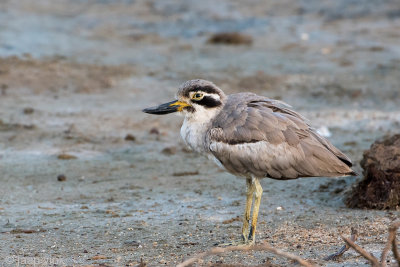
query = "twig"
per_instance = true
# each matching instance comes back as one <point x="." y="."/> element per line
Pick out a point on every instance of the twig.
<point x="200" y="256"/>
<point x="287" y="255"/>
<point x="374" y="261"/>
<point x="392" y="230"/>
<point x="261" y="247"/>
<point x="342" y="250"/>
<point x="396" y="252"/>
<point x="391" y="243"/>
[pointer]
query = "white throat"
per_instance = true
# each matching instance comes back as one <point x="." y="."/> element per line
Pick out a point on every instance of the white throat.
<point x="196" y="125"/>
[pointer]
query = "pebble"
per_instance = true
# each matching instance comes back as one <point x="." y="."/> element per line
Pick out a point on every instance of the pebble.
<point x="61" y="178"/>
<point x="169" y="150"/>
<point x="28" y="110"/>
<point x="154" y="130"/>
<point x="66" y="156"/>
<point x="324" y="131"/>
<point x="130" y="137"/>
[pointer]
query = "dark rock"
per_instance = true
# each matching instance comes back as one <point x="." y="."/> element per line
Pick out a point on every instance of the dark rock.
<point x="155" y="131"/>
<point x="4" y="126"/>
<point x="230" y="38"/>
<point x="380" y="187"/>
<point x="28" y="110"/>
<point x="185" y="173"/>
<point x="169" y="150"/>
<point x="61" y="178"/>
<point x="130" y="137"/>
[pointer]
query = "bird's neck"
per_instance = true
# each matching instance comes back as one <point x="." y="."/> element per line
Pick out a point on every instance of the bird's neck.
<point x="195" y="127"/>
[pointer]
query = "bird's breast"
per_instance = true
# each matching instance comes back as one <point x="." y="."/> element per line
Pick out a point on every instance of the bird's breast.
<point x="194" y="133"/>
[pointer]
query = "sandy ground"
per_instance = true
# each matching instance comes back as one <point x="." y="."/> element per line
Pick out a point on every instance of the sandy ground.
<point x="74" y="76"/>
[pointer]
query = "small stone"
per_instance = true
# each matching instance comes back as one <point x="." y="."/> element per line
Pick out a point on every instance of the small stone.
<point x="324" y="131"/>
<point x="132" y="243"/>
<point x="169" y="150"/>
<point x="154" y="130"/>
<point x="99" y="257"/>
<point x="66" y="156"/>
<point x="28" y="110"/>
<point x="230" y="38"/>
<point x="305" y="36"/>
<point x="326" y="51"/>
<point x="130" y="137"/>
<point x="61" y="178"/>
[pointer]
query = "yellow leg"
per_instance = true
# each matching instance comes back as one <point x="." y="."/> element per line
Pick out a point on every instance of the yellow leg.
<point x="249" y="202"/>
<point x="248" y="237"/>
<point x="256" y="208"/>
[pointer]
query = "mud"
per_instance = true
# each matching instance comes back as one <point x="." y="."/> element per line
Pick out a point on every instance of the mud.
<point x="86" y="69"/>
<point x="380" y="188"/>
<point x="230" y="38"/>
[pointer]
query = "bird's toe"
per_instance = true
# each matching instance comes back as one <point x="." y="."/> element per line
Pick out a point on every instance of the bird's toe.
<point x="238" y="243"/>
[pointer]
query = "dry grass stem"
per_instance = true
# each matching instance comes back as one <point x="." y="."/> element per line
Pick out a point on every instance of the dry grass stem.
<point x="262" y="247"/>
<point x="342" y="250"/>
<point x="392" y="240"/>
<point x="374" y="261"/>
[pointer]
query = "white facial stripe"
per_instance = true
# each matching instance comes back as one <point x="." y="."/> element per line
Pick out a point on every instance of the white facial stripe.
<point x="202" y="114"/>
<point x="215" y="96"/>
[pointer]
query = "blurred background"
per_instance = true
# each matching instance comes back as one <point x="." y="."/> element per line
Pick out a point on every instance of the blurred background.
<point x="87" y="178"/>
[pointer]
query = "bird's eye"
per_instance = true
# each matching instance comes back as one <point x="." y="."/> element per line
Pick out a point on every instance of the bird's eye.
<point x="197" y="96"/>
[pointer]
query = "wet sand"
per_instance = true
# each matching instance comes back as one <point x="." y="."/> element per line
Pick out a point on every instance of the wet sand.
<point x="74" y="76"/>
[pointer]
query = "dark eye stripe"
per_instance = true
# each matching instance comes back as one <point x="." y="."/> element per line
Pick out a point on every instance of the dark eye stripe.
<point x="209" y="102"/>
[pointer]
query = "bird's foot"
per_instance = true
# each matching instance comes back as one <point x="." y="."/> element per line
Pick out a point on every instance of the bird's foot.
<point x="239" y="243"/>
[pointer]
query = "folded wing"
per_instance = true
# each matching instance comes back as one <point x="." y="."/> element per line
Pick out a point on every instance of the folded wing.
<point x="262" y="137"/>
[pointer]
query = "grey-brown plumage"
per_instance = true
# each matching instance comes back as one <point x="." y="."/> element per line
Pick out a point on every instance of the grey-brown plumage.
<point x="253" y="137"/>
<point x="261" y="137"/>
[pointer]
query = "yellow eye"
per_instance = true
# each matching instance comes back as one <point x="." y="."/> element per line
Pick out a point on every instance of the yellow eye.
<point x="197" y="96"/>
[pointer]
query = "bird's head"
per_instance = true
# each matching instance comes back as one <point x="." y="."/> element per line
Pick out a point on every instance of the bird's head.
<point x="197" y="99"/>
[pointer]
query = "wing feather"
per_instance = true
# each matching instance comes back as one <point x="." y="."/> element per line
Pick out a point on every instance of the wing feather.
<point x="257" y="136"/>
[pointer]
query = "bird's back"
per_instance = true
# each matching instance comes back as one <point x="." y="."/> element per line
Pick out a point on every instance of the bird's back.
<point x="261" y="137"/>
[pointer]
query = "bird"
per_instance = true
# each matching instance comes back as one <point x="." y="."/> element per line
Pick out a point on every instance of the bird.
<point x="252" y="137"/>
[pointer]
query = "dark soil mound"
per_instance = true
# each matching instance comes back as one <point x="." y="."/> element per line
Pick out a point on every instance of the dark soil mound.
<point x="230" y="38"/>
<point x="380" y="188"/>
